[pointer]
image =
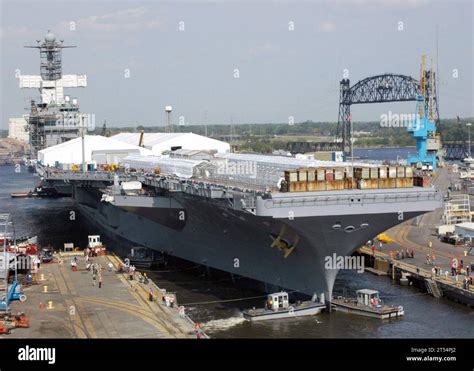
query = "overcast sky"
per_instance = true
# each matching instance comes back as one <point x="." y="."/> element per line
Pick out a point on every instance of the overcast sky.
<point x="282" y="72"/>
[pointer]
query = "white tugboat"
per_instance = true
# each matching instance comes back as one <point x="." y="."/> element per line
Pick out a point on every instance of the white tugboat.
<point x="277" y="306"/>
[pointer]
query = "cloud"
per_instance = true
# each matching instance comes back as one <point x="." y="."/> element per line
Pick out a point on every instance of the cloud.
<point x="400" y="4"/>
<point x="327" y="26"/>
<point x="21" y="32"/>
<point x="130" y="20"/>
<point x="265" y="48"/>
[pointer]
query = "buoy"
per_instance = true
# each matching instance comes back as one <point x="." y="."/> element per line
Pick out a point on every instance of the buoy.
<point x="41" y="306"/>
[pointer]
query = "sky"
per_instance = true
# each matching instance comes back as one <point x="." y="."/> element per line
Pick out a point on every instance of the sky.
<point x="221" y="61"/>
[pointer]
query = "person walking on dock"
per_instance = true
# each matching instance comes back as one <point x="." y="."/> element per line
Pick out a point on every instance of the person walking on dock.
<point x="94" y="277"/>
<point x="100" y="281"/>
<point x="430" y="244"/>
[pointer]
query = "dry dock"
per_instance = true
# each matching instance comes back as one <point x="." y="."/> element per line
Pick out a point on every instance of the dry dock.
<point x="65" y="304"/>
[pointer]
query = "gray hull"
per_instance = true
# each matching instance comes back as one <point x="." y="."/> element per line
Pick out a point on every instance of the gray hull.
<point x="236" y="241"/>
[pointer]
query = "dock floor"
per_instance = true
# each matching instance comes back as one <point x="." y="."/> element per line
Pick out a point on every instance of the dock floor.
<point x="72" y="307"/>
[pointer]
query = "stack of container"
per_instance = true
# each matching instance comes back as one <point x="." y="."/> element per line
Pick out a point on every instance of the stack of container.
<point x="384" y="177"/>
<point x="339" y="178"/>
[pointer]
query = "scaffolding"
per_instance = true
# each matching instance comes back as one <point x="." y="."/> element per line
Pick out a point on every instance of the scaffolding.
<point x="457" y="210"/>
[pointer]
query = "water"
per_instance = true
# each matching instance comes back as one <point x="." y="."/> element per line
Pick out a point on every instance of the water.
<point x="425" y="316"/>
<point x="392" y="154"/>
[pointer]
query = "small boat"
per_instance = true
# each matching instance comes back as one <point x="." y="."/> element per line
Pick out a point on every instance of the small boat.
<point x="142" y="257"/>
<point x="277" y="306"/>
<point x="367" y="304"/>
<point x="20" y="194"/>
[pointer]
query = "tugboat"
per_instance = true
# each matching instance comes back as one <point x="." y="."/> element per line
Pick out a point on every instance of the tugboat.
<point x="277" y="306"/>
<point x="367" y="304"/>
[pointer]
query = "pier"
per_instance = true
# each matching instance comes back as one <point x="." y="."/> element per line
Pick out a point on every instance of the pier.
<point x="65" y="303"/>
<point x="421" y="237"/>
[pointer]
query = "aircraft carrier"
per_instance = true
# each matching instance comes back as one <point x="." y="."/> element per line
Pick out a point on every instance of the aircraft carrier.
<point x="277" y="225"/>
<point x="274" y="219"/>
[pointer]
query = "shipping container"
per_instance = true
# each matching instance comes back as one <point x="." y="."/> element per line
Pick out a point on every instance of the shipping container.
<point x="401" y="172"/>
<point x="368" y="184"/>
<point x="404" y="182"/>
<point x="339" y="174"/>
<point x="298" y="187"/>
<point x="409" y="172"/>
<point x="383" y="172"/>
<point x="349" y="171"/>
<point x="374" y="173"/>
<point x="329" y="175"/>
<point x="302" y="175"/>
<point x="311" y="175"/>
<point x="387" y="183"/>
<point x="320" y="174"/>
<point x="362" y="172"/>
<point x="316" y="186"/>
<point x="350" y="183"/>
<point x="291" y="176"/>
<point x="421" y="181"/>
<point x="392" y="172"/>
<point x="335" y="185"/>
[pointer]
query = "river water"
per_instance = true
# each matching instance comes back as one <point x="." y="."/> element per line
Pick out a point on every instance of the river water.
<point x="216" y="301"/>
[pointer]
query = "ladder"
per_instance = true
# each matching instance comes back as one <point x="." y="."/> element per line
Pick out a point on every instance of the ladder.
<point x="432" y="288"/>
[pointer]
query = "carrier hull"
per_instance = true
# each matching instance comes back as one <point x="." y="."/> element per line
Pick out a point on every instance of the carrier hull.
<point x="285" y="252"/>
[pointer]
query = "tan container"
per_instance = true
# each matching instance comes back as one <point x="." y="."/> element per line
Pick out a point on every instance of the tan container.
<point x="311" y="175"/>
<point x="334" y="185"/>
<point x="291" y="176"/>
<point x="339" y="174"/>
<point x="404" y="182"/>
<point x="321" y="174"/>
<point x="387" y="183"/>
<point x="374" y="173"/>
<point x="392" y="172"/>
<point x="383" y="172"/>
<point x="298" y="187"/>
<point x="368" y="184"/>
<point x="400" y="171"/>
<point x="316" y="186"/>
<point x="302" y="175"/>
<point x="349" y="172"/>
<point x="362" y="173"/>
<point x="350" y="183"/>
<point x="409" y="172"/>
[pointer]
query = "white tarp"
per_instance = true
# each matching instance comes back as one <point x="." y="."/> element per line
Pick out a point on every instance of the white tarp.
<point x="161" y="142"/>
<point x="70" y="152"/>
